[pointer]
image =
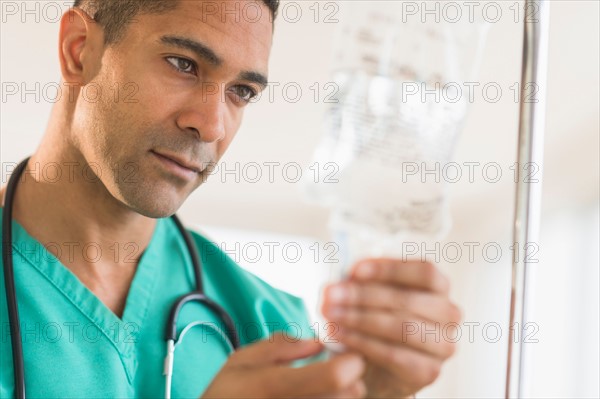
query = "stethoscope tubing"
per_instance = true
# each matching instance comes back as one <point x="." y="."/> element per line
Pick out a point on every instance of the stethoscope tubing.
<point x="197" y="295"/>
<point x="9" y="282"/>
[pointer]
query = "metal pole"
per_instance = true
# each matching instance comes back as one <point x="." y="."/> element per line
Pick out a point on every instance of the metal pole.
<point x="529" y="185"/>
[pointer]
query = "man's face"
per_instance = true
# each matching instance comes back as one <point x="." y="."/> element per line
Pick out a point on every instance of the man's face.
<point x="172" y="95"/>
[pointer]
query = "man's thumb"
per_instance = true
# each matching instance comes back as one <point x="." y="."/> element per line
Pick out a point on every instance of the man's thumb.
<point x="278" y="348"/>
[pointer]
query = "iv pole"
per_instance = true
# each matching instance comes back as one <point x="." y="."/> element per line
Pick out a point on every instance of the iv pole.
<point x="529" y="190"/>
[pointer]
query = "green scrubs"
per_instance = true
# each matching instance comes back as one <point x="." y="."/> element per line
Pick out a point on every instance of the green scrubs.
<point x="74" y="346"/>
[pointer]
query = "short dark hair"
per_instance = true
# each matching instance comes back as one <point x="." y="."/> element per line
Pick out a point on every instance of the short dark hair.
<point x="115" y="15"/>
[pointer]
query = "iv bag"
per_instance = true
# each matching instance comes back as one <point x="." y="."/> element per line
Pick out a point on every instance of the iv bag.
<point x="393" y="124"/>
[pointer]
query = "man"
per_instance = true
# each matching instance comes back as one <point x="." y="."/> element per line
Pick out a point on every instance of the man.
<point x="93" y="323"/>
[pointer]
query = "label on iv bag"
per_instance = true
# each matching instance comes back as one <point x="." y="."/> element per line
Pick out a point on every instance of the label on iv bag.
<point x="378" y="136"/>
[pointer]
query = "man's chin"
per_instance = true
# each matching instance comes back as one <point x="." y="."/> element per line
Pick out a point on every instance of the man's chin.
<point x="151" y="195"/>
<point x="154" y="205"/>
<point x="156" y="213"/>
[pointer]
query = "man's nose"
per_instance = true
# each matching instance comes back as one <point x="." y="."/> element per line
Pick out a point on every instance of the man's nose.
<point x="205" y="114"/>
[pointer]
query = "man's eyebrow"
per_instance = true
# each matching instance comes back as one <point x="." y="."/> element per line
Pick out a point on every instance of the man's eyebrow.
<point x="206" y="53"/>
<point x="255" y="77"/>
<point x="201" y="50"/>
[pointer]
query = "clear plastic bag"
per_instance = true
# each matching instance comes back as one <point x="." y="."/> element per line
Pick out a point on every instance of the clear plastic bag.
<point x="398" y="111"/>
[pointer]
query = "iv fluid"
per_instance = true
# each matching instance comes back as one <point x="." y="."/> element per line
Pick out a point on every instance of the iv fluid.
<point x="392" y="128"/>
<point x="383" y="147"/>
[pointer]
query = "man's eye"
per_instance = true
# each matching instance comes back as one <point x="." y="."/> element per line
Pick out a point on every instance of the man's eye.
<point x="182" y="64"/>
<point x="245" y="93"/>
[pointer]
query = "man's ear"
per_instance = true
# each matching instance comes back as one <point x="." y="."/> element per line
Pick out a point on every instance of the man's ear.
<point x="79" y="39"/>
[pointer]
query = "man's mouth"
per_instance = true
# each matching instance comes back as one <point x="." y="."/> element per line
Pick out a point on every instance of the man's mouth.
<point x="177" y="165"/>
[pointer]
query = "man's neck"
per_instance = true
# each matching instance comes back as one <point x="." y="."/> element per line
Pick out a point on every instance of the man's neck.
<point x="60" y="202"/>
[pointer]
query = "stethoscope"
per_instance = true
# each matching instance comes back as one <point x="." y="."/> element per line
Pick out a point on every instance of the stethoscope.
<point x="171" y="338"/>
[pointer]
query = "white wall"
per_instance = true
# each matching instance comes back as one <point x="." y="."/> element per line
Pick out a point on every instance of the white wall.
<point x="567" y="301"/>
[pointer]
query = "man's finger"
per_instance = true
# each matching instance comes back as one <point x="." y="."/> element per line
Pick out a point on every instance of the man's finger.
<point x="431" y="306"/>
<point x="413" y="274"/>
<point x="334" y="375"/>
<point x="434" y="339"/>
<point x="276" y="349"/>
<point x="357" y="390"/>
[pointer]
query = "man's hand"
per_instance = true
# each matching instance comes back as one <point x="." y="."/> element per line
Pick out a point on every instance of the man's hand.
<point x="261" y="370"/>
<point x="389" y="311"/>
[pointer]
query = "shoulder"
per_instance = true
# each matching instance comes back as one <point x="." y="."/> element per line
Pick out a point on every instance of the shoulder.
<point x="251" y="300"/>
